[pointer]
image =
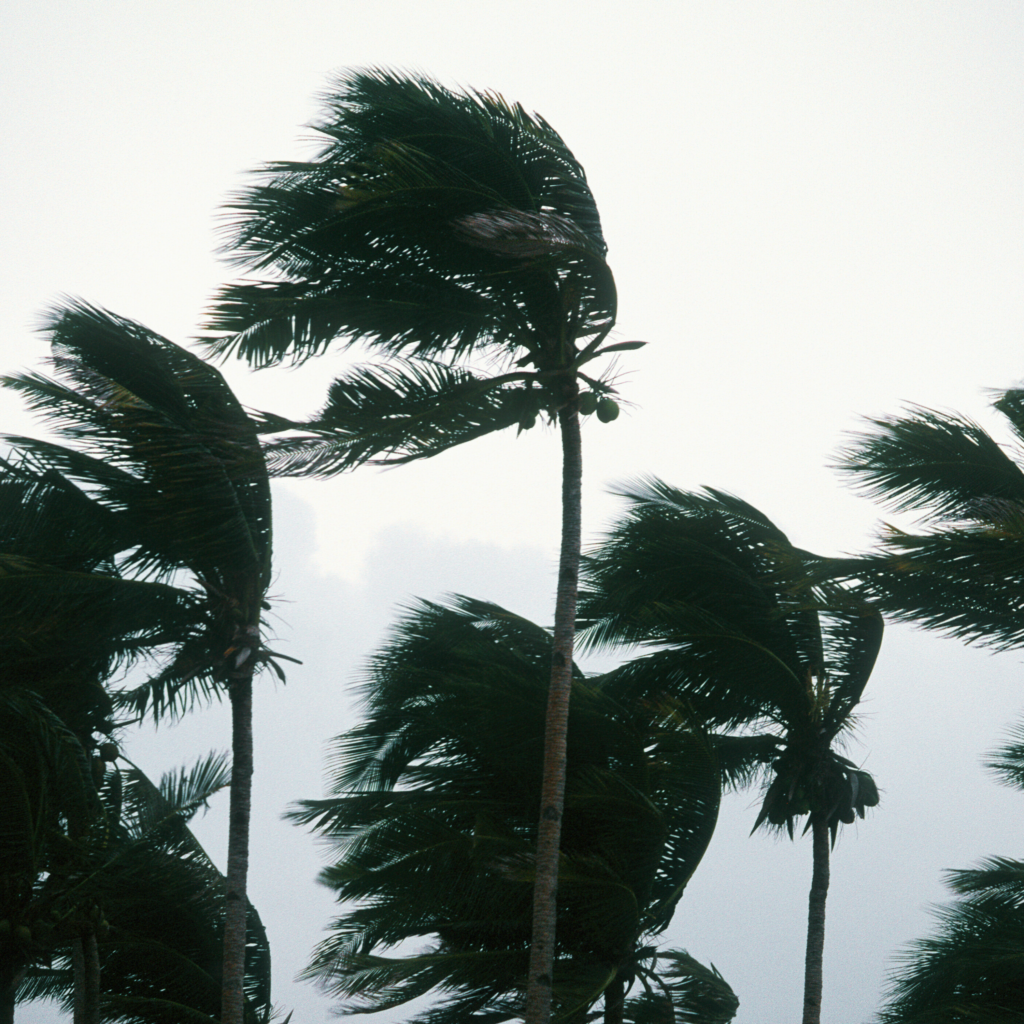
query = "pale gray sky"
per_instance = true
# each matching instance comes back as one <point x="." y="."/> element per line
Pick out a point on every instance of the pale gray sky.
<point x="814" y="212"/>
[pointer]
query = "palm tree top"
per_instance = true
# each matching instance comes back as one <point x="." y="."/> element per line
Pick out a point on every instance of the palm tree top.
<point x="433" y="222"/>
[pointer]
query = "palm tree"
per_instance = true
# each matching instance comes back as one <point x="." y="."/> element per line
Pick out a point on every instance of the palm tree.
<point x="432" y="817"/>
<point x="436" y="227"/>
<point x="737" y="630"/>
<point x="973" y="970"/>
<point x="963" y="575"/>
<point x="160" y="952"/>
<point x="166" y="469"/>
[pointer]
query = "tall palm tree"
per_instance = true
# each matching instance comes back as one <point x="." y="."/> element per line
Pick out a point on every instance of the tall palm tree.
<point x="437" y="228"/>
<point x="432" y="817"/>
<point x="736" y="628"/>
<point x="973" y="969"/>
<point x="167" y="470"/>
<point x="964" y="574"/>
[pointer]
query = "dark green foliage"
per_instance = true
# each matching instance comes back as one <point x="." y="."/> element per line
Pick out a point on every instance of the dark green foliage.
<point x="433" y="818"/>
<point x="973" y="969"/>
<point x="434" y="225"/>
<point x="737" y="629"/>
<point x="433" y="222"/>
<point x="139" y="877"/>
<point x="964" y="575"/>
<point x="163" y="472"/>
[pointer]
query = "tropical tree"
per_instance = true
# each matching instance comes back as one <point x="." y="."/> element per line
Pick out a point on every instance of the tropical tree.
<point x="156" y="902"/>
<point x="432" y="820"/>
<point x="737" y="629"/>
<point x="439" y="229"/>
<point x="964" y="574"/>
<point x="166" y="471"/>
<point x="973" y="969"/>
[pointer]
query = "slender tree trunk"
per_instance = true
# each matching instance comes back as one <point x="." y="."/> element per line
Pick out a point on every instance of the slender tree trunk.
<point x="614" y="1001"/>
<point x="85" y="963"/>
<point x="816" y="923"/>
<point x="232" y="992"/>
<point x="549" y="830"/>
<point x="10" y="978"/>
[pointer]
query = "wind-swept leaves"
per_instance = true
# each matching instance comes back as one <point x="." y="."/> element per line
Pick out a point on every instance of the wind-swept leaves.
<point x="734" y="622"/>
<point x="962" y="575"/>
<point x="433" y="820"/>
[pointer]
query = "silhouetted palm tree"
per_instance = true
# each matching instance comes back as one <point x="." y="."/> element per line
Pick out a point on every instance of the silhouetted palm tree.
<point x="174" y="497"/>
<point x="432" y="817"/>
<point x="737" y="630"/>
<point x="437" y="228"/>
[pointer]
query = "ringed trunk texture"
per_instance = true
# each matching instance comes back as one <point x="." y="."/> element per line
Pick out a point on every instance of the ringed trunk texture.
<point x="549" y="830"/>
<point x="816" y="924"/>
<point x="232" y="991"/>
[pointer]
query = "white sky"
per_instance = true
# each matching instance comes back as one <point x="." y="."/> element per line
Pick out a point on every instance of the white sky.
<point x="814" y="212"/>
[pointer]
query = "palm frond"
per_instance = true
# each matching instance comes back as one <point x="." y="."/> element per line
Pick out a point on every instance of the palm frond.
<point x="397" y="413"/>
<point x="432" y="221"/>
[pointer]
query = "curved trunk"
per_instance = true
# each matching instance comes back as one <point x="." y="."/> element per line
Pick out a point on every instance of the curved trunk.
<point x="232" y="991"/>
<point x="549" y="830"/>
<point x="816" y="924"/>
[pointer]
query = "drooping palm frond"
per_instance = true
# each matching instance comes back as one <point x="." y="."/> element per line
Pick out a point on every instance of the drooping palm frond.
<point x="684" y="992"/>
<point x="434" y="813"/>
<point x="433" y="222"/>
<point x="1007" y="762"/>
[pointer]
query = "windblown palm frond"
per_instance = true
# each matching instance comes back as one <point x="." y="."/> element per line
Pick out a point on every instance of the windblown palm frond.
<point x="973" y="969"/>
<point x="962" y="576"/>
<point x="161" y="900"/>
<point x="163" y="472"/>
<point x="433" y="222"/>
<point x="433" y="820"/>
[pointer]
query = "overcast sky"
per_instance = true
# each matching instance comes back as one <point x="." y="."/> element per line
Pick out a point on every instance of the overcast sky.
<point x="814" y="213"/>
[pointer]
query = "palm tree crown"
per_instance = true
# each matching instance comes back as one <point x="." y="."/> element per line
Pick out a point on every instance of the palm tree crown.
<point x="436" y="227"/>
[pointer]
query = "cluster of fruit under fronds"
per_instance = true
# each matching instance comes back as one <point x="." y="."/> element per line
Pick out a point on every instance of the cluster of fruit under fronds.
<point x="830" y="789"/>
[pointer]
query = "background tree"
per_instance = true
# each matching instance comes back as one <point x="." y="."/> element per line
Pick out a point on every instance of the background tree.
<point x="437" y="228"/>
<point x="432" y="817"/>
<point x="170" y="464"/>
<point x="973" y="969"/>
<point x="159" y="906"/>
<point x="964" y="575"/>
<point x="738" y="631"/>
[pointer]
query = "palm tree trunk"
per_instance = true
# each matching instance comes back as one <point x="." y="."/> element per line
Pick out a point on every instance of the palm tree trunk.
<point x="232" y="991"/>
<point x="11" y="975"/>
<point x="85" y="959"/>
<point x="549" y="830"/>
<point x="614" y="1000"/>
<point x="816" y="923"/>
